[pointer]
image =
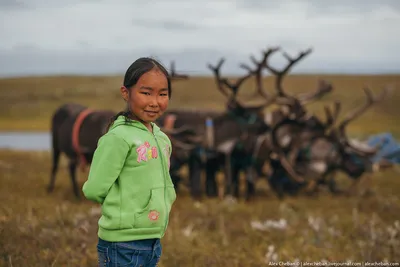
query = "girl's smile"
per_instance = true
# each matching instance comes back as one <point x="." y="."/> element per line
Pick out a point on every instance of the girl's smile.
<point x="152" y="114"/>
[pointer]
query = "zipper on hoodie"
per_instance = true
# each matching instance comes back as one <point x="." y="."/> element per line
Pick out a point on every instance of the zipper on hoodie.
<point x="163" y="174"/>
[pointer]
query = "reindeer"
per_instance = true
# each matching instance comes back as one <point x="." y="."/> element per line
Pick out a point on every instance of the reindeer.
<point x="235" y="109"/>
<point x="75" y="131"/>
<point x="355" y="160"/>
<point x="245" y="148"/>
<point x="296" y="132"/>
<point x="287" y="138"/>
<point x="244" y="115"/>
<point x="258" y="147"/>
<point x="321" y="156"/>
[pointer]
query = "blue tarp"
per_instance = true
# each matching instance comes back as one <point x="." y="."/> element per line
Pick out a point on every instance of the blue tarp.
<point x="390" y="149"/>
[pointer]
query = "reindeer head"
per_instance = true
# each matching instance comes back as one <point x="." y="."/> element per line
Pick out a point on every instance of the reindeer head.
<point x="296" y="133"/>
<point x="355" y="158"/>
<point x="330" y="148"/>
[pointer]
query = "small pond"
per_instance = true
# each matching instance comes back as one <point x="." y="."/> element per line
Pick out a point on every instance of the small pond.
<point x="32" y="141"/>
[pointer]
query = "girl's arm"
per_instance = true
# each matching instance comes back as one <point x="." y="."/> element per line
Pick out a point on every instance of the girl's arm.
<point x="108" y="160"/>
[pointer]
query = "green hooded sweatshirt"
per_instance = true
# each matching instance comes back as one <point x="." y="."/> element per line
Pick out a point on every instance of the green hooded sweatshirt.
<point x="129" y="176"/>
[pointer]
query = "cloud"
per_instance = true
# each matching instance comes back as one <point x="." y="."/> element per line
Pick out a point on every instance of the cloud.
<point x="352" y="35"/>
<point x="321" y="8"/>
<point x="11" y="4"/>
<point x="33" y="4"/>
<point x="355" y="6"/>
<point x="170" y="25"/>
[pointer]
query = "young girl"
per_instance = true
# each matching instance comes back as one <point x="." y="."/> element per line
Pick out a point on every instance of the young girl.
<point x="129" y="175"/>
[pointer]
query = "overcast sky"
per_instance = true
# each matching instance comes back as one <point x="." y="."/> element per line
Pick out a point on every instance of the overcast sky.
<point x="105" y="36"/>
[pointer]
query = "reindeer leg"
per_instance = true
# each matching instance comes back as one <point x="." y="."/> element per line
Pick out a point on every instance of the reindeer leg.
<point x="250" y="181"/>
<point x="56" y="157"/>
<point x="235" y="175"/>
<point x="195" y="176"/>
<point x="211" y="183"/>
<point x="275" y="183"/>
<point x="72" y="171"/>
<point x="176" y="179"/>
<point x="174" y="171"/>
<point x="228" y="173"/>
<point x="332" y="185"/>
<point x="311" y="187"/>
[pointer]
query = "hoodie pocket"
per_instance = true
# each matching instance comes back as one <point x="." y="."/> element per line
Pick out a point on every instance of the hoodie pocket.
<point x="155" y="212"/>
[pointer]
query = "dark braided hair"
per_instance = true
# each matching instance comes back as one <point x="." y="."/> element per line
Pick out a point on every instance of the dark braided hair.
<point x="134" y="72"/>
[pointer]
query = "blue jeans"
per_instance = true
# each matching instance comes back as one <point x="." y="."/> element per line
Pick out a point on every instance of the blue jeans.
<point x="139" y="253"/>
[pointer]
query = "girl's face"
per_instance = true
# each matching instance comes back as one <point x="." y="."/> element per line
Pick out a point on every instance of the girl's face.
<point x="148" y="98"/>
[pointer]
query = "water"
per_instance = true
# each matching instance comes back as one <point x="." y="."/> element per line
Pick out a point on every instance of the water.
<point x="36" y="141"/>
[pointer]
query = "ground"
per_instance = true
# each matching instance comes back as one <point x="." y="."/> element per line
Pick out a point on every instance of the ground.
<point x="41" y="229"/>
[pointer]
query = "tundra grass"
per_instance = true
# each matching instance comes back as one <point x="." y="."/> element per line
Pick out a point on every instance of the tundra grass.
<point x="41" y="229"/>
<point x="27" y="104"/>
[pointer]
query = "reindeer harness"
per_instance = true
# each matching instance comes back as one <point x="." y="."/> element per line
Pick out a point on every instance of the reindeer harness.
<point x="75" y="137"/>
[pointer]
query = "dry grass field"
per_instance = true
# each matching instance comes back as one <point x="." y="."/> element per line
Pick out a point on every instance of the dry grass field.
<point x="28" y="103"/>
<point x="38" y="229"/>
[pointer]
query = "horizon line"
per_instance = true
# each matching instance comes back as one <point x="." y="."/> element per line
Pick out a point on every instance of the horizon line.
<point x="111" y="74"/>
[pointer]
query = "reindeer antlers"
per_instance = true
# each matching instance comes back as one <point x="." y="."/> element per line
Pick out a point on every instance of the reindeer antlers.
<point x="234" y="87"/>
<point x="357" y="112"/>
<point x="217" y="75"/>
<point x="281" y="73"/>
<point x="281" y="98"/>
<point x="341" y="134"/>
<point x="258" y="71"/>
<point x="332" y="118"/>
<point x="324" y="87"/>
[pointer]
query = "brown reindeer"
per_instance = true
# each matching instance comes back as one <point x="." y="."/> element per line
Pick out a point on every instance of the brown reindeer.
<point x="296" y="132"/>
<point x="244" y="147"/>
<point x="258" y="147"/>
<point x="321" y="156"/>
<point x="235" y="150"/>
<point x="75" y="131"/>
<point x="242" y="114"/>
